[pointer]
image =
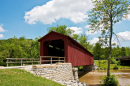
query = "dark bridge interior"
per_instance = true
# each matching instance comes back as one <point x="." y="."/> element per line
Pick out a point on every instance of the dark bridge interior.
<point x="55" y="48"/>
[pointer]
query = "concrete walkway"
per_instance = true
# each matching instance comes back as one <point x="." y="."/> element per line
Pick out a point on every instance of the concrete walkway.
<point x="27" y="67"/>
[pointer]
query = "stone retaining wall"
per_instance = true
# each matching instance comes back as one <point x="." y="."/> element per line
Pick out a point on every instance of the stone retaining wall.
<point x="59" y="72"/>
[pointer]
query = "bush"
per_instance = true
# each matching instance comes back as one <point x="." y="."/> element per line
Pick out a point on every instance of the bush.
<point x="110" y="81"/>
<point x="113" y="61"/>
<point x="115" y="67"/>
<point x="101" y="68"/>
<point x="80" y="68"/>
<point x="105" y="68"/>
<point x="2" y="62"/>
<point x="118" y="62"/>
<point x="98" y="68"/>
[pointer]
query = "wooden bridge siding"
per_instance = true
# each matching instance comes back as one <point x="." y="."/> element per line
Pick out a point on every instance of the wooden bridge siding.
<point x="78" y="56"/>
<point x="73" y="53"/>
<point x="43" y="46"/>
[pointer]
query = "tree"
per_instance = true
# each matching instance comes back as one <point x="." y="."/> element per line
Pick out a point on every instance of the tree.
<point x="104" y="15"/>
<point x="127" y="51"/>
<point x="61" y="29"/>
<point x="116" y="52"/>
<point x="97" y="52"/>
<point x="75" y="37"/>
<point x="82" y="39"/>
<point x="18" y="48"/>
<point x="123" y="52"/>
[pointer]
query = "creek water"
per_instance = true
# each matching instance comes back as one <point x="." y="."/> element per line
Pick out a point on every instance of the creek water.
<point x="94" y="78"/>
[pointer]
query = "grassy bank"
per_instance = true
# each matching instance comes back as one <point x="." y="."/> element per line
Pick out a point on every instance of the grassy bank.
<point x="17" y="77"/>
<point x="104" y="64"/>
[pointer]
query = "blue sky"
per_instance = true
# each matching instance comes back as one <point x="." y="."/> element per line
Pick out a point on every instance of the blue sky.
<point x="31" y="18"/>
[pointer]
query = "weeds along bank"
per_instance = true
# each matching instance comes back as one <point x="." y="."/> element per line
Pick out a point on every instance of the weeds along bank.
<point x="102" y="65"/>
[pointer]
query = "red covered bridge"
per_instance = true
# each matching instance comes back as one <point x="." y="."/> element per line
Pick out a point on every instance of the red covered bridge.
<point x="56" y="44"/>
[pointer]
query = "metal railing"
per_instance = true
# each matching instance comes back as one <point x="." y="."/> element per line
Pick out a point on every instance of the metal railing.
<point x="51" y="59"/>
<point x="21" y="60"/>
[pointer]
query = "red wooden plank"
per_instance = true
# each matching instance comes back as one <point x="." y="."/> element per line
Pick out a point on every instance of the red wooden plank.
<point x="73" y="51"/>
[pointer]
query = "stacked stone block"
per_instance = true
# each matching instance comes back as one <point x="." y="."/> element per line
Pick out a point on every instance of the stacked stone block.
<point x="59" y="72"/>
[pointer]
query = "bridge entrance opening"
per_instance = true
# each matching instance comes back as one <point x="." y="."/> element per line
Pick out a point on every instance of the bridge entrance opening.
<point x="55" y="48"/>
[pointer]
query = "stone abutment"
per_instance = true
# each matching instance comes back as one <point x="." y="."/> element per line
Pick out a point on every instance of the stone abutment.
<point x="62" y="73"/>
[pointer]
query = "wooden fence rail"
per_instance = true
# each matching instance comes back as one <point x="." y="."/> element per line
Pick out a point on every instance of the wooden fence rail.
<point x="50" y="59"/>
<point x="21" y="60"/>
<point x="44" y="59"/>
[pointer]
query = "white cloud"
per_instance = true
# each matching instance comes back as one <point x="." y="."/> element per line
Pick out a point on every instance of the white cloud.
<point x="94" y="40"/>
<point x="87" y="26"/>
<point x="114" y="41"/>
<point x="91" y="32"/>
<point x="77" y="30"/>
<point x="125" y="35"/>
<point x="74" y="10"/>
<point x="1" y="28"/>
<point x="1" y="36"/>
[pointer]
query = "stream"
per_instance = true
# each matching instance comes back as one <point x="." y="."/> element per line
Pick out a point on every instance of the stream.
<point x="95" y="77"/>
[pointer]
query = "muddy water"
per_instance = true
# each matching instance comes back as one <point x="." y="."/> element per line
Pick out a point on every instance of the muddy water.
<point x="94" y="78"/>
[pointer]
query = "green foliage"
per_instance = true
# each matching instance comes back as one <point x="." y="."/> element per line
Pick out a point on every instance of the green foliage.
<point x="28" y="48"/>
<point x="18" y="77"/>
<point x="103" y="65"/>
<point x="61" y="29"/>
<point x="115" y="67"/>
<point x="104" y="11"/>
<point x="75" y="37"/>
<point x="118" y="63"/>
<point x="104" y="15"/>
<point x="123" y="51"/>
<point x="81" y="39"/>
<point x="18" y="48"/>
<point x="104" y="53"/>
<point x="110" y="81"/>
<point x="127" y="51"/>
<point x="97" y="51"/>
<point x="113" y="61"/>
<point x="124" y="67"/>
<point x="116" y="52"/>
<point x="80" y="68"/>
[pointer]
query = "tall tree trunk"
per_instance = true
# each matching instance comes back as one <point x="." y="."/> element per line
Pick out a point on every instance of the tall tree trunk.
<point x="110" y="39"/>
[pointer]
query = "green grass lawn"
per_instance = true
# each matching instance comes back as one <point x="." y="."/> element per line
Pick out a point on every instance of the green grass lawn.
<point x="18" y="77"/>
<point x="104" y="64"/>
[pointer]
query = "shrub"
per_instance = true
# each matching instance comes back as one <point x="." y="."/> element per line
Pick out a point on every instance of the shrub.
<point x="113" y="61"/>
<point x="2" y="63"/>
<point x="80" y="68"/>
<point x="101" y="68"/>
<point x="104" y="62"/>
<point x="118" y="62"/>
<point x="105" y="68"/>
<point x="115" y="67"/>
<point x="110" y="81"/>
